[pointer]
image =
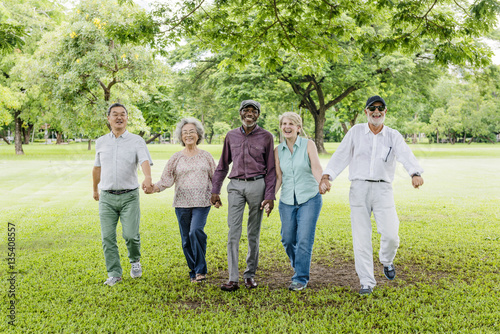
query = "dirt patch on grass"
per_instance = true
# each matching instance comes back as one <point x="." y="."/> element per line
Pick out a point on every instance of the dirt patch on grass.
<point x="338" y="273"/>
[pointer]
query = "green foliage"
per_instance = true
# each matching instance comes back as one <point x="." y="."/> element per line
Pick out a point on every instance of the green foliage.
<point x="312" y="33"/>
<point x="10" y="36"/>
<point x="468" y="109"/>
<point x="159" y="112"/>
<point x="84" y="69"/>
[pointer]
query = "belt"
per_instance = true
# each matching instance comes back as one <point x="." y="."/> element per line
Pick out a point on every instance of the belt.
<point x="258" y="177"/>
<point x="376" y="181"/>
<point x="119" y="192"/>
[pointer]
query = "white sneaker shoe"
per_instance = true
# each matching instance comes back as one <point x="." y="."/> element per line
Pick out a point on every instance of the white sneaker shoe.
<point x="112" y="281"/>
<point x="136" y="270"/>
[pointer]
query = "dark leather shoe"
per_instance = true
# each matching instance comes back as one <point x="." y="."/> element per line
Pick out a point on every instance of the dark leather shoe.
<point x="390" y="272"/>
<point x="230" y="286"/>
<point x="250" y="283"/>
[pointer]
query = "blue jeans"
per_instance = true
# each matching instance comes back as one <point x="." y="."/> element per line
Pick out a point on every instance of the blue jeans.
<point x="194" y="240"/>
<point x="298" y="225"/>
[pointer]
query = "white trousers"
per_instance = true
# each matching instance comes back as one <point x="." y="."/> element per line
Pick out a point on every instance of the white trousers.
<point x="364" y="198"/>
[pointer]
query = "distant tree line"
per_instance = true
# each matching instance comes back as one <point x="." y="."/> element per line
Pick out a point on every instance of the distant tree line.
<point x="61" y="67"/>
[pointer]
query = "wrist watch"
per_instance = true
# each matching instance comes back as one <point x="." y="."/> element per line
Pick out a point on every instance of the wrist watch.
<point x="415" y="174"/>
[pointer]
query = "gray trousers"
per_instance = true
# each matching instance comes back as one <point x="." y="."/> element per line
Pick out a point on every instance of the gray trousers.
<point x="240" y="193"/>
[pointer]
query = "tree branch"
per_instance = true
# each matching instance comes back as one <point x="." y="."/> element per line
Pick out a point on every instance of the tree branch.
<point x="185" y="17"/>
<point x="284" y="30"/>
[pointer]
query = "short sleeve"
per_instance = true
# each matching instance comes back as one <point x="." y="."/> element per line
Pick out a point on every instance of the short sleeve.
<point x="97" y="162"/>
<point x="143" y="153"/>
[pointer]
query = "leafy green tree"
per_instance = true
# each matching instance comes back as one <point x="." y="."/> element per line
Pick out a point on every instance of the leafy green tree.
<point x="467" y="108"/>
<point x="205" y="91"/>
<point x="94" y="60"/>
<point x="325" y="51"/>
<point x="29" y="20"/>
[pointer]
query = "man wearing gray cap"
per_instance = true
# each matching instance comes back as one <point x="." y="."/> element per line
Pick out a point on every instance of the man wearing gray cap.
<point x="251" y="151"/>
<point x="371" y="150"/>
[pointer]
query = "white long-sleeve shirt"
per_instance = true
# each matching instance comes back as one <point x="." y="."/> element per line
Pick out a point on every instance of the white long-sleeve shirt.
<point x="370" y="156"/>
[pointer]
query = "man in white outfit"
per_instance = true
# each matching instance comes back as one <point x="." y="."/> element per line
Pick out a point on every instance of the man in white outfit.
<point x="371" y="150"/>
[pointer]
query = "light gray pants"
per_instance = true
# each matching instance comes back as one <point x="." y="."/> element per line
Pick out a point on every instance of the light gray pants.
<point x="240" y="193"/>
<point x="365" y="198"/>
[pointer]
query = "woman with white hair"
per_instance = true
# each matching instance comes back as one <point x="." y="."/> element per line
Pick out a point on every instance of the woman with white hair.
<point x="298" y="173"/>
<point x="191" y="171"/>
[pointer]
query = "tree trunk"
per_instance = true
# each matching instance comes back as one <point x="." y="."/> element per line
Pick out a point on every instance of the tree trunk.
<point x="90" y="144"/>
<point x="319" y="124"/>
<point x="27" y="133"/>
<point x="59" y="138"/>
<point x="18" y="140"/>
<point x="141" y="134"/>
<point x="488" y="139"/>
<point x="152" y="139"/>
<point x="5" y="139"/>
<point x="210" y="137"/>
<point x="344" y="127"/>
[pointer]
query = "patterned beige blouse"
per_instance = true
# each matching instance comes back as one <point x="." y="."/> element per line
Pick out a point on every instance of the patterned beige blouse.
<point x="192" y="177"/>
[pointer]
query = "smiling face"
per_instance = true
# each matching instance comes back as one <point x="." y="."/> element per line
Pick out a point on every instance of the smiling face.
<point x="249" y="116"/>
<point x="376" y="117"/>
<point x="118" y="119"/>
<point x="289" y="128"/>
<point x="189" y="135"/>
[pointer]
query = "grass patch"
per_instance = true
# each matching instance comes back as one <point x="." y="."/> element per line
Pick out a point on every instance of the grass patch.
<point x="448" y="265"/>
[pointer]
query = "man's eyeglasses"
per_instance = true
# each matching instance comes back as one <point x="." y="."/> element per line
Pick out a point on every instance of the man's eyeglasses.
<point x="373" y="108"/>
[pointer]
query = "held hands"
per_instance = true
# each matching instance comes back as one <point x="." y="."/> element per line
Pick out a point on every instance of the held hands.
<point x="154" y="189"/>
<point x="215" y="200"/>
<point x="324" y="185"/>
<point x="147" y="185"/>
<point x="417" y="181"/>
<point x="267" y="205"/>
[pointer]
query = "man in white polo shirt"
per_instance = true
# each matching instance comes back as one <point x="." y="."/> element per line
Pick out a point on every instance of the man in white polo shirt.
<point x="371" y="150"/>
<point x="118" y="155"/>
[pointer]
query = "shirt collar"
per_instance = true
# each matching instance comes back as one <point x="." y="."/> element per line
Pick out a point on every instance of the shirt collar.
<point x="297" y="143"/>
<point x="124" y="135"/>
<point x="254" y="129"/>
<point x="367" y="130"/>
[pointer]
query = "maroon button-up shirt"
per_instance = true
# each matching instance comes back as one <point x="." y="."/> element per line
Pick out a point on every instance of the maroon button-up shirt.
<point x="252" y="155"/>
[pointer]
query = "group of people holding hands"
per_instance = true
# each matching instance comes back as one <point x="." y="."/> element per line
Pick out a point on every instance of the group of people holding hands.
<point x="257" y="171"/>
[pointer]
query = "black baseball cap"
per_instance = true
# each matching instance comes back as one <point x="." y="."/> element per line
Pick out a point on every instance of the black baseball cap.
<point x="374" y="99"/>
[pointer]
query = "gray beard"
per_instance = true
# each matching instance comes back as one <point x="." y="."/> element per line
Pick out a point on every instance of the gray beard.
<point x="248" y="126"/>
<point x="376" y="122"/>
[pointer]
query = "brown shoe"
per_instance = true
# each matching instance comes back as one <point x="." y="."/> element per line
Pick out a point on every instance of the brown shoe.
<point x="230" y="286"/>
<point x="200" y="278"/>
<point x="250" y="283"/>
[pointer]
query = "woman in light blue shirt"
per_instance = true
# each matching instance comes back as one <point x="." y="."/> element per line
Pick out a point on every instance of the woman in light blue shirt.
<point x="298" y="173"/>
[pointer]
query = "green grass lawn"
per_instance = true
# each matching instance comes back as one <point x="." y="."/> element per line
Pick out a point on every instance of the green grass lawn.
<point x="448" y="263"/>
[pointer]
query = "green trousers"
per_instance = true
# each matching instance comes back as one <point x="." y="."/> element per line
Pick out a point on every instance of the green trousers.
<point x="126" y="208"/>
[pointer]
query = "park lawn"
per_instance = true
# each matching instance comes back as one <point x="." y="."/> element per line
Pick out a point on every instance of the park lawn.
<point x="448" y="264"/>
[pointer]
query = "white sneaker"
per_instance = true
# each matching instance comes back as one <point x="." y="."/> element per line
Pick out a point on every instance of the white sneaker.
<point x="136" y="270"/>
<point x="112" y="281"/>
